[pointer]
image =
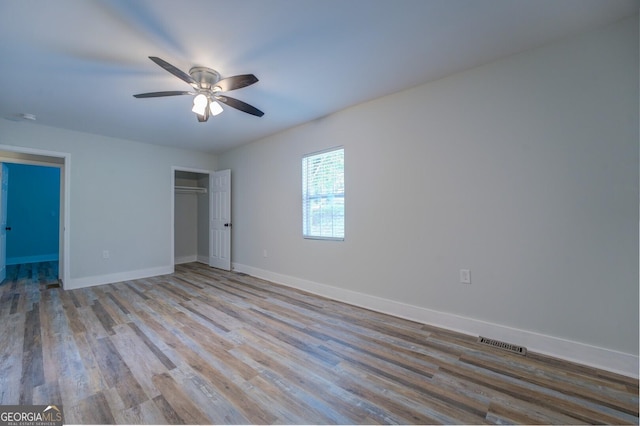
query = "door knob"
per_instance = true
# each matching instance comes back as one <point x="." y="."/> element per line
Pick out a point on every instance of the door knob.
<point x="227" y="225"/>
<point x="8" y="228"/>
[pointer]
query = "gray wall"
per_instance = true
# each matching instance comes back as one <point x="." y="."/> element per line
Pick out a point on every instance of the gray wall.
<point x="203" y="221"/>
<point x="524" y="171"/>
<point x="120" y="200"/>
<point x="186" y="229"/>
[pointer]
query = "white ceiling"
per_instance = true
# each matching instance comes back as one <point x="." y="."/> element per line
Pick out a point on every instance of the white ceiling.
<point x="75" y="64"/>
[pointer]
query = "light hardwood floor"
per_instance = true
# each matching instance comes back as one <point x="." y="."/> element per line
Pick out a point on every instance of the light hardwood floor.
<point x="203" y="346"/>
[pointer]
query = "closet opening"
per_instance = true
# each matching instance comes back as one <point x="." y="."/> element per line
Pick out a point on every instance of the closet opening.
<point x="191" y="205"/>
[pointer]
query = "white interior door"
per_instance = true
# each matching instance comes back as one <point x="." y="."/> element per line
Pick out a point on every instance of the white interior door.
<point x="4" y="177"/>
<point x="220" y="230"/>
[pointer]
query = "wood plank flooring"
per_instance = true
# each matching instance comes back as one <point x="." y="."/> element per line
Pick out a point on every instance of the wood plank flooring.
<point x="203" y="346"/>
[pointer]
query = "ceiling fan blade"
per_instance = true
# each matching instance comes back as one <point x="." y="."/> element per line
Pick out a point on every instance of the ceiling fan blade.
<point x="236" y="82"/>
<point x="160" y="94"/>
<point x="242" y="106"/>
<point x="175" y="71"/>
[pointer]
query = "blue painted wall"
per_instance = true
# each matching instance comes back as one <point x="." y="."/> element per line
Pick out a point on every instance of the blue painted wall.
<point x="33" y="213"/>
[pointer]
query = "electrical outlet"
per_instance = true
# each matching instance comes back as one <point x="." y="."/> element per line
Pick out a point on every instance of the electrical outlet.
<point x="465" y="276"/>
<point x="264" y="253"/>
<point x="105" y="254"/>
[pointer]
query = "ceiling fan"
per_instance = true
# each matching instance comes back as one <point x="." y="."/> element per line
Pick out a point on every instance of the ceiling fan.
<point x="208" y="88"/>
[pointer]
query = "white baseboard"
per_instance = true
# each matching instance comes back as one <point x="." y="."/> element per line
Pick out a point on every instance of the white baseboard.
<point x="606" y="359"/>
<point x="32" y="259"/>
<point x="75" y="283"/>
<point x="190" y="259"/>
<point x="185" y="259"/>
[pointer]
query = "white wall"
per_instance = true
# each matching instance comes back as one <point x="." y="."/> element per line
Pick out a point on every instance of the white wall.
<point x="120" y="200"/>
<point x="524" y="171"/>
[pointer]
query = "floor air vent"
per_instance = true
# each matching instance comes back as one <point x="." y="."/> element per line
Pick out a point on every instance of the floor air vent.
<point x="520" y="350"/>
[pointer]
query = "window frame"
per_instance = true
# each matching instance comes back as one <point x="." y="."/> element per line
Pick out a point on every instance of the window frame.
<point x="305" y="197"/>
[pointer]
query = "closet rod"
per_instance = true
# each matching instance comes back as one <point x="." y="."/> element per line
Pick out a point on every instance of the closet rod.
<point x="191" y="189"/>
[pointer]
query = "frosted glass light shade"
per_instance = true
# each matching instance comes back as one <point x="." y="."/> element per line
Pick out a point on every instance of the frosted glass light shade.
<point x="200" y="104"/>
<point x="215" y="108"/>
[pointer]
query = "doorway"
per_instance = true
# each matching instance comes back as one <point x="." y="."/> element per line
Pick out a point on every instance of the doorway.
<point x="191" y="211"/>
<point x="33" y="213"/>
<point x="201" y="229"/>
<point x="60" y="161"/>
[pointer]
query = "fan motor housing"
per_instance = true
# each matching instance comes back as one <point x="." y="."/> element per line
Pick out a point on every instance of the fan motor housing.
<point x="206" y="77"/>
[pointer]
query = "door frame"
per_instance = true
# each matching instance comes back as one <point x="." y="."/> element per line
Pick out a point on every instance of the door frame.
<point x="62" y="160"/>
<point x="175" y="169"/>
<point x="4" y="192"/>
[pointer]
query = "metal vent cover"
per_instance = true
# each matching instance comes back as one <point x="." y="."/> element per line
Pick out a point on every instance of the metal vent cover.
<point x="520" y="350"/>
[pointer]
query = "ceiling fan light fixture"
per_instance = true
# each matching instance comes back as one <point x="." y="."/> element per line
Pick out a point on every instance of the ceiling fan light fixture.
<point x="208" y="85"/>
<point x="200" y="104"/>
<point x="215" y="108"/>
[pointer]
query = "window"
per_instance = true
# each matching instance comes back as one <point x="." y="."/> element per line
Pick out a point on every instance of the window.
<point x="323" y="195"/>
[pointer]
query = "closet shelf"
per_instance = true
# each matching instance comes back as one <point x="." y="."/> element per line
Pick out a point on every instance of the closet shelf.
<point x="190" y="190"/>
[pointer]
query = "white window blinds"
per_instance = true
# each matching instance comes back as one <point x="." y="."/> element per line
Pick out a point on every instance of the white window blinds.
<point x="323" y="195"/>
